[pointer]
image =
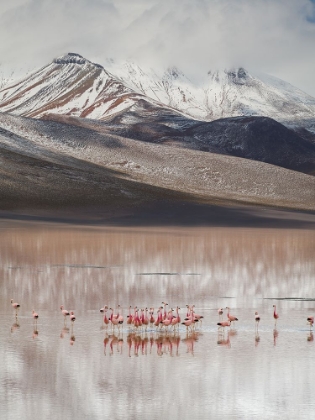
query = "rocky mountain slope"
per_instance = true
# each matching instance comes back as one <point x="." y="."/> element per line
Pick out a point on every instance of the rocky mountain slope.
<point x="255" y="138"/>
<point x="46" y="164"/>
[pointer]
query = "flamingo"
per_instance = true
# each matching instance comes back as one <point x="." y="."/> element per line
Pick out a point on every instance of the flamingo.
<point x="151" y="320"/>
<point x="35" y="316"/>
<point x="275" y="314"/>
<point x="16" y="306"/>
<point x="167" y="321"/>
<point x="113" y="318"/>
<point x="104" y="308"/>
<point x="130" y="317"/>
<point x="120" y="319"/>
<point x="197" y="317"/>
<point x="106" y="320"/>
<point x="224" y="323"/>
<point x="72" y="317"/>
<point x="159" y="317"/>
<point x="164" y="316"/>
<point x="257" y="319"/>
<point x="310" y="320"/>
<point x="64" y="312"/>
<point x="188" y="322"/>
<point x="232" y="318"/>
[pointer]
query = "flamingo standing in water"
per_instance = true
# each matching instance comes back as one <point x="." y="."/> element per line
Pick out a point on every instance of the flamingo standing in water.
<point x="257" y="319"/>
<point x="106" y="320"/>
<point x="72" y="317"/>
<point x="35" y="316"/>
<point x="151" y="320"/>
<point x="64" y="312"/>
<point x="231" y="318"/>
<point x="310" y="320"/>
<point x="224" y="323"/>
<point x="16" y="306"/>
<point x="275" y="314"/>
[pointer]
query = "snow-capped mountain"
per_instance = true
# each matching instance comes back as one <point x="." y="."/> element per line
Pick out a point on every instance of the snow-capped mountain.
<point x="72" y="85"/>
<point x="221" y="94"/>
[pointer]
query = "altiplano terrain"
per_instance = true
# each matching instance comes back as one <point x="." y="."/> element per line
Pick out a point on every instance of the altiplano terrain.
<point x="74" y="136"/>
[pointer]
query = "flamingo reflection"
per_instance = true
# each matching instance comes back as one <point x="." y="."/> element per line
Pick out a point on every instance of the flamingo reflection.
<point x="222" y="339"/>
<point x="275" y="336"/>
<point x="64" y="331"/>
<point x="16" y="325"/>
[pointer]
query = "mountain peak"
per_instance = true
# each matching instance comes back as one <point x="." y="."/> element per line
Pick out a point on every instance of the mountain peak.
<point x="238" y="75"/>
<point x="73" y="58"/>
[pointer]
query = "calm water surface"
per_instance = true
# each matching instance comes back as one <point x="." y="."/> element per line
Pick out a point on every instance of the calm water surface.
<point x="87" y="372"/>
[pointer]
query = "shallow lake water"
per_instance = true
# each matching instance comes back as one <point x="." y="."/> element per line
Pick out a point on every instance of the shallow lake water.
<point x="53" y="370"/>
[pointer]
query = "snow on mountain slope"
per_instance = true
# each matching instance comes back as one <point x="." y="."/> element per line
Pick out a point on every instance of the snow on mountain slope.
<point x="70" y="85"/>
<point x="220" y="94"/>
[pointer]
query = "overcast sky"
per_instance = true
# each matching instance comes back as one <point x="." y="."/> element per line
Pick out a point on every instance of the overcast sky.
<point x="273" y="36"/>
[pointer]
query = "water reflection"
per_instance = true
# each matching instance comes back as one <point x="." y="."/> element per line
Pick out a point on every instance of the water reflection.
<point x="209" y="262"/>
<point x="92" y="371"/>
<point x="16" y="325"/>
<point x="149" y="343"/>
<point x="65" y="330"/>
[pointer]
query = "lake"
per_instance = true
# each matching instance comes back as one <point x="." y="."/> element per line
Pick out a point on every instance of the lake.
<point x="53" y="369"/>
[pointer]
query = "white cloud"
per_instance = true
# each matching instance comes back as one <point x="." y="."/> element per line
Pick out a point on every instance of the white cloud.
<point x="274" y="36"/>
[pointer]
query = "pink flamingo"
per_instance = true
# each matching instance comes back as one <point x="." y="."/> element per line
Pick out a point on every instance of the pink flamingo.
<point x="113" y="318"/>
<point x="176" y="319"/>
<point x="188" y="322"/>
<point x="106" y="320"/>
<point x="151" y="320"/>
<point x="64" y="312"/>
<point x="104" y="308"/>
<point x="120" y="319"/>
<point x="35" y="315"/>
<point x="72" y="317"/>
<point x="224" y="323"/>
<point x="310" y="320"/>
<point x="257" y="319"/>
<point x="159" y="317"/>
<point x="16" y="306"/>
<point x="145" y="319"/>
<point x="167" y="321"/>
<point x="129" y="317"/>
<point x="164" y="316"/>
<point x="275" y="314"/>
<point x="197" y="317"/>
<point x="232" y="318"/>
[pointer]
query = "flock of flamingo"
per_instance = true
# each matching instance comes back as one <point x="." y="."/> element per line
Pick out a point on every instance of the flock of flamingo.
<point x="164" y="319"/>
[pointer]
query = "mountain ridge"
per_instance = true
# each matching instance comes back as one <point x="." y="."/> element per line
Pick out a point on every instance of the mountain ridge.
<point x="86" y="89"/>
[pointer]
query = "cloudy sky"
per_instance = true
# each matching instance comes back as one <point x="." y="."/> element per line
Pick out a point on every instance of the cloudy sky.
<point x="273" y="36"/>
